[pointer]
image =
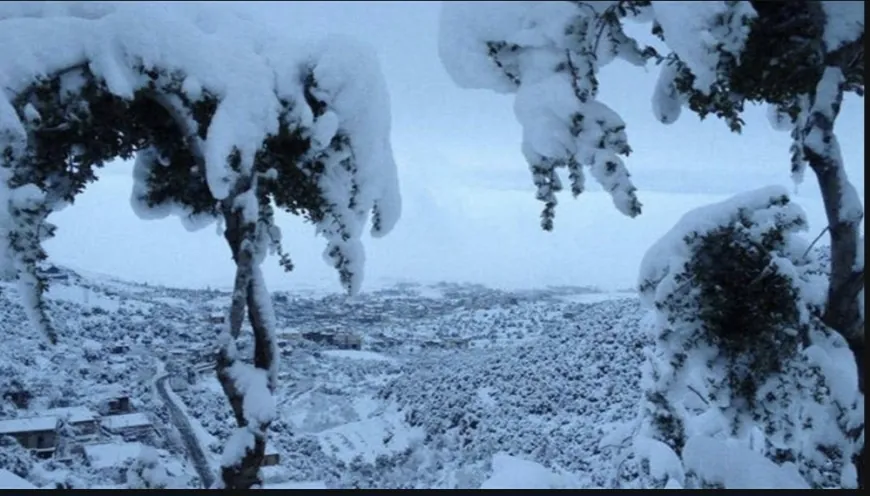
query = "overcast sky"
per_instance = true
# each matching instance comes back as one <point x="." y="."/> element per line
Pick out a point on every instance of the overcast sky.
<point x="466" y="187"/>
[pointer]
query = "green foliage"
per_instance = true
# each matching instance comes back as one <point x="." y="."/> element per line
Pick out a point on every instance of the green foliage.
<point x="74" y="129"/>
<point x="782" y="62"/>
<point x="746" y="306"/>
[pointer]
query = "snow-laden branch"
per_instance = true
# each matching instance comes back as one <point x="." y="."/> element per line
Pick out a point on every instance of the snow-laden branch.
<point x="549" y="55"/>
<point x="202" y="98"/>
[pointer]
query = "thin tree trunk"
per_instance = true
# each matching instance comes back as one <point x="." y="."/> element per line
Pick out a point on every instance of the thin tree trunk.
<point x="846" y="278"/>
<point x="244" y="474"/>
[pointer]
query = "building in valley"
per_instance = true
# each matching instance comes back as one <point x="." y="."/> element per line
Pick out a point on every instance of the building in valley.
<point x="40" y="434"/>
<point x="130" y="426"/>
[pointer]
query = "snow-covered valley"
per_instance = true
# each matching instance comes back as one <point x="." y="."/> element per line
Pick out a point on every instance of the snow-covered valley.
<point x="451" y="382"/>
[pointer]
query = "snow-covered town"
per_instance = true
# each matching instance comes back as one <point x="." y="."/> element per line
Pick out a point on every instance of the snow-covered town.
<point x="330" y="245"/>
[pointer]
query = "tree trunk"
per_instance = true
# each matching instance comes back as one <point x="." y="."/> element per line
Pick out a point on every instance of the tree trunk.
<point x="841" y="309"/>
<point x="846" y="278"/>
<point x="244" y="474"/>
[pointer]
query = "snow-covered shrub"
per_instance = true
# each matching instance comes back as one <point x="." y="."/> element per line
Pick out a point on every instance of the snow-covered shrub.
<point x="740" y="354"/>
<point x="147" y="472"/>
<point x="14" y="457"/>
<point x="13" y="393"/>
<point x="510" y="472"/>
<point x="548" y="401"/>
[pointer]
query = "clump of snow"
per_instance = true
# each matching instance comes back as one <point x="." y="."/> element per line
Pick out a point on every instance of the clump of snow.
<point x="10" y="481"/>
<point x="672" y="249"/>
<point x="698" y="32"/>
<point x="737" y="467"/>
<point x="267" y="316"/>
<point x="240" y="442"/>
<point x="667" y="102"/>
<point x="844" y="23"/>
<point x="253" y="384"/>
<point x="511" y="472"/>
<point x="148" y="472"/>
<point x="664" y="464"/>
<point x="779" y="120"/>
<point x="464" y="29"/>
<point x="549" y="55"/>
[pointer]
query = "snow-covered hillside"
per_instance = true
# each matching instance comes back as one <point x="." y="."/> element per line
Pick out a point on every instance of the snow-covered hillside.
<point x="452" y="381"/>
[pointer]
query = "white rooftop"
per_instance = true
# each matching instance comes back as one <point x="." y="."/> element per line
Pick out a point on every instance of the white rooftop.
<point x="270" y="449"/>
<point x="47" y="420"/>
<point x="111" y="455"/>
<point x="8" y="480"/>
<point x="125" y="421"/>
<point x="75" y="414"/>
<point x="32" y="424"/>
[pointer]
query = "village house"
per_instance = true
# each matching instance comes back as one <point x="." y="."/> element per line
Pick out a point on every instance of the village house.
<point x="456" y="343"/>
<point x="341" y="340"/>
<point x="84" y="422"/>
<point x="200" y="371"/>
<point x="179" y="353"/>
<point x="289" y="337"/>
<point x="317" y="337"/>
<point x="347" y="341"/>
<point x="38" y="434"/>
<point x="179" y="382"/>
<point x="130" y="426"/>
<point x="111" y="399"/>
<point x="216" y="318"/>
<point x="119" y="405"/>
<point x="271" y="458"/>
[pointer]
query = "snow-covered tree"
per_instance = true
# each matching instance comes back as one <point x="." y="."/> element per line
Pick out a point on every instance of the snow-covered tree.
<point x="739" y="353"/>
<point x="798" y="58"/>
<point x="226" y="121"/>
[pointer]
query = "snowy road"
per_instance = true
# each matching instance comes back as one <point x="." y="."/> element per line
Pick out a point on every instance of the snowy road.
<point x="191" y="444"/>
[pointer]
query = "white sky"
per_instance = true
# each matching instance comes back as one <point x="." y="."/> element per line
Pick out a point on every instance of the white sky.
<point x="470" y="212"/>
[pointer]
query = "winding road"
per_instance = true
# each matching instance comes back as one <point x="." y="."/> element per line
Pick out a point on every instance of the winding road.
<point x="188" y="436"/>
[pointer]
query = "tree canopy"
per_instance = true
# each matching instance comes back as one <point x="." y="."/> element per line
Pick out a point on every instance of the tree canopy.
<point x="225" y="121"/>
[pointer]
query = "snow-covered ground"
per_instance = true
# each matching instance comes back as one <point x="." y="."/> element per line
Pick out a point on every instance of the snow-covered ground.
<point x="383" y="416"/>
<point x="356" y="355"/>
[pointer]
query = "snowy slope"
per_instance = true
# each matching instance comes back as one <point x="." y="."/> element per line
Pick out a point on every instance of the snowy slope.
<point x="544" y="387"/>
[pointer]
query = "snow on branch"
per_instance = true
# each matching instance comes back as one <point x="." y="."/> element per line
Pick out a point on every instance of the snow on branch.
<point x="548" y="54"/>
<point x="201" y="98"/>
